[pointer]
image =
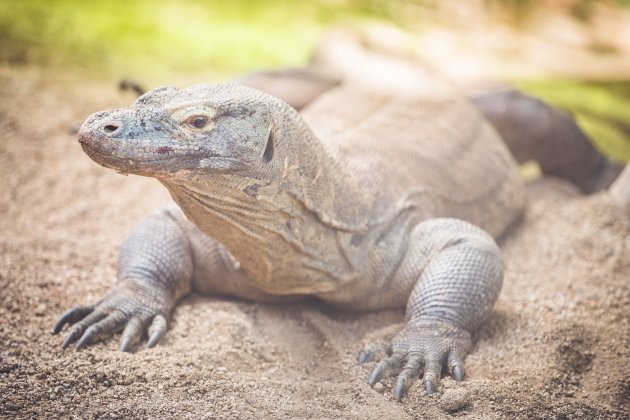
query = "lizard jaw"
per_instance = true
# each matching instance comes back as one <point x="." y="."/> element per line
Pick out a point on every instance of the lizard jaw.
<point x="152" y="161"/>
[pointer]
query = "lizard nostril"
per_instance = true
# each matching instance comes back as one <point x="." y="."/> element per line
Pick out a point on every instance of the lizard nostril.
<point x="110" y="128"/>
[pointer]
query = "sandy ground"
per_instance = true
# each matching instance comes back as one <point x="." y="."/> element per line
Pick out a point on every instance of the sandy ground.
<point x="557" y="344"/>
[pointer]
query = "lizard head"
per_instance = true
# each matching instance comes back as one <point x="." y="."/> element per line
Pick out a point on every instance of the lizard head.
<point x="208" y="128"/>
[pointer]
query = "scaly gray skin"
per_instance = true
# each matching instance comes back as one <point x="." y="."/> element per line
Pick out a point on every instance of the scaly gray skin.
<point x="362" y="213"/>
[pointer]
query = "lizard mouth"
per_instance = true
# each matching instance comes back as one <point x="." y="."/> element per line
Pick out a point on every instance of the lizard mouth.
<point x="132" y="156"/>
<point x="139" y="165"/>
<point x="158" y="166"/>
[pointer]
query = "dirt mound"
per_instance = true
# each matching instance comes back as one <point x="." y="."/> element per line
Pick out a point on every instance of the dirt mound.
<point x="556" y="344"/>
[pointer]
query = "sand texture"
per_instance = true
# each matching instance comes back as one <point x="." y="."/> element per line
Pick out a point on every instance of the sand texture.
<point x="557" y="344"/>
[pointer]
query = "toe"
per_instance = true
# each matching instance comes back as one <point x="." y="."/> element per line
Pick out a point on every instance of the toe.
<point x="157" y="329"/>
<point x="386" y="368"/>
<point x="408" y="374"/>
<point x="87" y="337"/>
<point x="456" y="366"/>
<point x="106" y="326"/>
<point x="429" y="387"/>
<point x="78" y="330"/>
<point x="432" y="371"/>
<point x="132" y="334"/>
<point x="374" y="351"/>
<point x="71" y="316"/>
<point x="70" y="338"/>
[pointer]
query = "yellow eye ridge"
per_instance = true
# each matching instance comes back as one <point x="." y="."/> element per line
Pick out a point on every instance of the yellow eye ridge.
<point x="196" y="118"/>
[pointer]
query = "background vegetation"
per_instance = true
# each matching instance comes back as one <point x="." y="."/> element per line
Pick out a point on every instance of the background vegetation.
<point x="159" y="42"/>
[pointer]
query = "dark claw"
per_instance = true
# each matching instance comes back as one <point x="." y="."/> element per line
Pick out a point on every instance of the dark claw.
<point x="429" y="387"/>
<point x="126" y="343"/>
<point x="71" y="316"/>
<point x="363" y="358"/>
<point x="401" y="388"/>
<point x="71" y="338"/>
<point x="87" y="337"/>
<point x="155" y="337"/>
<point x="457" y="373"/>
<point x="158" y="327"/>
<point x="376" y="373"/>
<point x="131" y="335"/>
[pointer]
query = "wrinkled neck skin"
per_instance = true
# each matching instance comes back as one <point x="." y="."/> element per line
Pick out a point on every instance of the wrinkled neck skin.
<point x="295" y="221"/>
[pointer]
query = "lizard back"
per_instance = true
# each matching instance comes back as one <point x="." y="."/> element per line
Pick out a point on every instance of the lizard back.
<point x="434" y="153"/>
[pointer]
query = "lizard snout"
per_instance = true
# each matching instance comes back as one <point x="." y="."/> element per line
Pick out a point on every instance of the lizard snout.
<point x="96" y="128"/>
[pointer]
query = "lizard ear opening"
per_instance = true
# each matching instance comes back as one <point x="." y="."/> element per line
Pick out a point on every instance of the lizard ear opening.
<point x="268" y="153"/>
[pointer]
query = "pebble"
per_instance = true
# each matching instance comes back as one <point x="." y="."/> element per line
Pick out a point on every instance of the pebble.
<point x="40" y="310"/>
<point x="378" y="387"/>
<point x="454" y="399"/>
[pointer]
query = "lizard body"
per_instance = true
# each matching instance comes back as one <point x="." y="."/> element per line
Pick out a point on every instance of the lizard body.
<point x="322" y="216"/>
<point x="367" y="200"/>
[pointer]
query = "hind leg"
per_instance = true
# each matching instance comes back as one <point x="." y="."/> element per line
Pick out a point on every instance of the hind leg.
<point x="534" y="130"/>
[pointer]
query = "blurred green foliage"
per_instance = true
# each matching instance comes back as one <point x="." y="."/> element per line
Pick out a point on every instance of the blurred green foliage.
<point x="144" y="36"/>
<point x="156" y="41"/>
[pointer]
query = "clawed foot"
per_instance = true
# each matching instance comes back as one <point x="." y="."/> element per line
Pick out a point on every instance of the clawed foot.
<point x="423" y="346"/>
<point x="130" y="306"/>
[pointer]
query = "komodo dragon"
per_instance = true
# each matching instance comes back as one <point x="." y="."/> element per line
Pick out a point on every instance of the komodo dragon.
<point x="366" y="200"/>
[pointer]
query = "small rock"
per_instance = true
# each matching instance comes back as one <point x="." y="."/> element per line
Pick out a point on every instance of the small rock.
<point x="454" y="399"/>
<point x="378" y="387"/>
<point x="41" y="309"/>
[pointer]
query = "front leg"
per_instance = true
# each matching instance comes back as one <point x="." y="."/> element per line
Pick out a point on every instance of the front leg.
<point x="155" y="268"/>
<point x="164" y="257"/>
<point x="459" y="276"/>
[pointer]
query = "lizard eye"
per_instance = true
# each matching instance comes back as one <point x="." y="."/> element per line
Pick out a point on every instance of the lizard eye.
<point x="197" y="121"/>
